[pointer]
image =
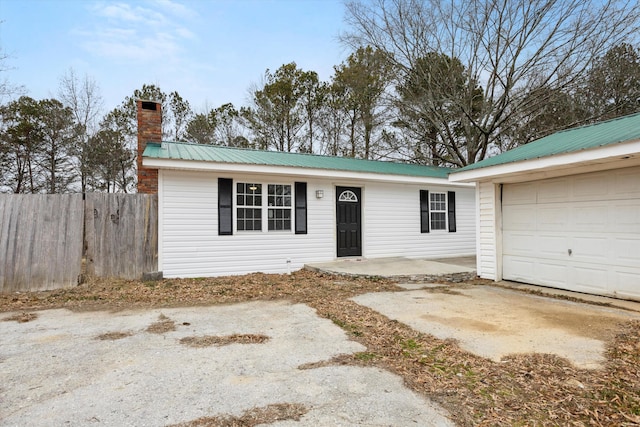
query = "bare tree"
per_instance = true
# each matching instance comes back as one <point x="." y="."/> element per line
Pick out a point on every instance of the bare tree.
<point x="613" y="85"/>
<point x="82" y="95"/>
<point x="509" y="48"/>
<point x="8" y="90"/>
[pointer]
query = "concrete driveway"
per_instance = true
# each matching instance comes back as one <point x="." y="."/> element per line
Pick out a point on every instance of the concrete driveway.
<point x="140" y="368"/>
<point x="494" y="322"/>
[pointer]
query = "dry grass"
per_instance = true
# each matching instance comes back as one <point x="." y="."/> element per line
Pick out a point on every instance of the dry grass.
<point x="21" y="317"/>
<point x="164" y="324"/>
<point x="209" y="340"/>
<point x="112" y="336"/>
<point x="532" y="390"/>
<point x="253" y="417"/>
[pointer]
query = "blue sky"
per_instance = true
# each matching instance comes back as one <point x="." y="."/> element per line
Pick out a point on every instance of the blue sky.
<point x="210" y="51"/>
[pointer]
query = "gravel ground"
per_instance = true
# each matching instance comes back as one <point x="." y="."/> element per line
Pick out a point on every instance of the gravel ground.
<point x="130" y="368"/>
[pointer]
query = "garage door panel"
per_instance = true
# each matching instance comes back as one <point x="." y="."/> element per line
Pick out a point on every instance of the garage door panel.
<point x="518" y="243"/>
<point x="551" y="245"/>
<point x="626" y="217"/>
<point x="624" y="282"/>
<point x="518" y="218"/>
<point x="589" y="217"/>
<point x="519" y="269"/>
<point x="551" y="273"/>
<point x="596" y="216"/>
<point x="590" y="249"/>
<point x="585" y="278"/>
<point x="518" y="194"/>
<point x="553" y="191"/>
<point x="552" y="218"/>
<point x="627" y="184"/>
<point x="590" y="187"/>
<point x="627" y="252"/>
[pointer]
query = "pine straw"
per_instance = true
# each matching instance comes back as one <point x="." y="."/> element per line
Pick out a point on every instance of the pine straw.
<point x="164" y="324"/>
<point x="112" y="336"/>
<point x="21" y="317"/>
<point x="535" y="389"/>
<point x="253" y="417"/>
<point x="209" y="340"/>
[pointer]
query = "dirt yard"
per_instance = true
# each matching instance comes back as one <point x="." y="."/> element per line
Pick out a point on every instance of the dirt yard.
<point x="532" y="389"/>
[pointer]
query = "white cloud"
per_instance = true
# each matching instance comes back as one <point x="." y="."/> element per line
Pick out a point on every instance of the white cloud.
<point x="124" y="12"/>
<point x="175" y="8"/>
<point x="124" y="32"/>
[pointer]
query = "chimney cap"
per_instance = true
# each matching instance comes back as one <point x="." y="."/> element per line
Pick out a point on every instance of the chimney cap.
<point x="149" y="105"/>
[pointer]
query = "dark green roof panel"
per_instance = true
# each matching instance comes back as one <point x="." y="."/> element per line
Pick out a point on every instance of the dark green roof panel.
<point x="217" y="154"/>
<point x="609" y="132"/>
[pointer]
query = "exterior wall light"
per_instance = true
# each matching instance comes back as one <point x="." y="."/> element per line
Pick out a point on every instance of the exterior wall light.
<point x="319" y="194"/>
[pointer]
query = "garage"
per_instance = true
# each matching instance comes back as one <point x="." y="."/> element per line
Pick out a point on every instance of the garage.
<point x="579" y="232"/>
<point x="563" y="211"/>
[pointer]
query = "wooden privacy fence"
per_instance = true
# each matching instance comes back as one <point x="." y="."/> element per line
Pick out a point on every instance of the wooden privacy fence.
<point x="44" y="238"/>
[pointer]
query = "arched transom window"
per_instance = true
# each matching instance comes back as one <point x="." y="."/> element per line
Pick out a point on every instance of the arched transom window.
<point x="348" y="196"/>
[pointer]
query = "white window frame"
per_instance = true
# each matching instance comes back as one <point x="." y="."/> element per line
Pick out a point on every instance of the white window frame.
<point x="265" y="207"/>
<point x="272" y="208"/>
<point x="442" y="211"/>
<point x="238" y="206"/>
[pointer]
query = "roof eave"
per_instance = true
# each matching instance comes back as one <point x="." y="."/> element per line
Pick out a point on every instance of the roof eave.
<point x="628" y="151"/>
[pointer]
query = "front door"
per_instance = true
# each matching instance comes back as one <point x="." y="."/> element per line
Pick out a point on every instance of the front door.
<point x="348" y="215"/>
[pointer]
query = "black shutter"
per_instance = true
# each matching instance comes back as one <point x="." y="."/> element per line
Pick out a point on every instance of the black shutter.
<point x="424" y="211"/>
<point x="225" y="206"/>
<point x="451" y="210"/>
<point x="301" y="207"/>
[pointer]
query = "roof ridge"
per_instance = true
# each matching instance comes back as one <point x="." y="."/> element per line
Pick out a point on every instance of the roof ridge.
<point x="256" y="150"/>
<point x="590" y="125"/>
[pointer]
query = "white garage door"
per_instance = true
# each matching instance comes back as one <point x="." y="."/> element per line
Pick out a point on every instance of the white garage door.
<point x="580" y="233"/>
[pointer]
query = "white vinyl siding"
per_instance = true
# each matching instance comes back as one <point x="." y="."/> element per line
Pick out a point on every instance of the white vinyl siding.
<point x="580" y="232"/>
<point x="488" y="228"/>
<point x="391" y="223"/>
<point x="191" y="247"/>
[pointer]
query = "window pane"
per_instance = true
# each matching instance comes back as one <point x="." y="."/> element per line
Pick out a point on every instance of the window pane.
<point x="279" y="219"/>
<point x="438" y="221"/>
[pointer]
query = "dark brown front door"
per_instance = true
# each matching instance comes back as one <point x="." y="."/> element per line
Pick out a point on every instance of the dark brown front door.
<point x="348" y="215"/>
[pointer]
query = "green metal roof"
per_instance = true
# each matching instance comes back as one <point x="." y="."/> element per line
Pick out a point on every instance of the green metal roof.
<point x="609" y="132"/>
<point x="217" y="154"/>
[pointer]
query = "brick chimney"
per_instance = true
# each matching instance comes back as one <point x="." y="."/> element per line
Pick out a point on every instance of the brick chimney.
<point x="149" y="130"/>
